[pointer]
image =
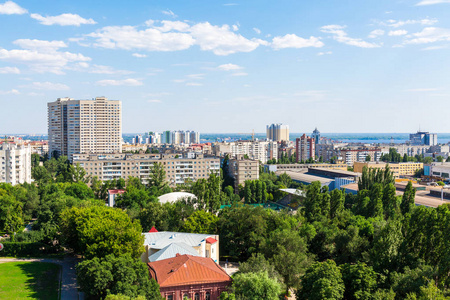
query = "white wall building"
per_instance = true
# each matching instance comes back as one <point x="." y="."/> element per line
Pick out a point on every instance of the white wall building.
<point x="15" y="163"/>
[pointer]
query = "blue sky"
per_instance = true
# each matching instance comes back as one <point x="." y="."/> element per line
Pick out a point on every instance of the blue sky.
<point x="231" y="66"/>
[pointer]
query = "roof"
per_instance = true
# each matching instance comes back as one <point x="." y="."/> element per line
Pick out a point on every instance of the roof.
<point x="185" y="270"/>
<point x="153" y="229"/>
<point x="114" y="192"/>
<point x="294" y="192"/>
<point x="172" y="250"/>
<point x="159" y="240"/>
<point x="210" y="240"/>
<point x="298" y="176"/>
<point x="175" y="196"/>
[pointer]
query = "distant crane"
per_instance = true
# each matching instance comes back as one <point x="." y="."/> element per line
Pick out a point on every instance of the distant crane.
<point x="252" y="134"/>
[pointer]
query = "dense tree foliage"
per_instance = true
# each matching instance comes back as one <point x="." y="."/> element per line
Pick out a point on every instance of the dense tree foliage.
<point x="255" y="286"/>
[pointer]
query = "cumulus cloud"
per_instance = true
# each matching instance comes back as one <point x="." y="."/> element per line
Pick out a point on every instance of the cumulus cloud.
<point x="127" y="82"/>
<point x="9" y="70"/>
<point x="11" y="8"/>
<point x="49" y="86"/>
<point x="174" y="36"/>
<point x="398" y="23"/>
<point x="429" y="35"/>
<point x="63" y="20"/>
<point x="229" y="67"/>
<point x="99" y="69"/>
<point x="10" y="92"/>
<point x="139" y="55"/>
<point x="397" y="32"/>
<point x="341" y="36"/>
<point x="431" y="2"/>
<point x="294" y="41"/>
<point x="169" y="13"/>
<point x="376" y="33"/>
<point x="42" y="56"/>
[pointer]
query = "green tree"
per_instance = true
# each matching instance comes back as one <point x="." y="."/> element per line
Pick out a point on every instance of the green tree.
<point x="10" y="213"/>
<point x="157" y="176"/>
<point x="97" y="231"/>
<point x="368" y="158"/>
<point x="408" y="198"/>
<point x="258" y="263"/>
<point x="122" y="275"/>
<point x="201" y="222"/>
<point x="323" y="280"/>
<point x="35" y="158"/>
<point x="360" y="281"/>
<point x="256" y="286"/>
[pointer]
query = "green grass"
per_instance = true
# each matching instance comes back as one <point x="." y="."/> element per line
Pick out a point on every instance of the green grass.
<point x="29" y="280"/>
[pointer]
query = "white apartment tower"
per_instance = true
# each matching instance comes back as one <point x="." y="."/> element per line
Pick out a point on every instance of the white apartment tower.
<point x="277" y="132"/>
<point x="15" y="163"/>
<point x="84" y="126"/>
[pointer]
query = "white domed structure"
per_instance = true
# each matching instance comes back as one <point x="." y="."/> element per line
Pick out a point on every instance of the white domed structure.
<point x="175" y="196"/>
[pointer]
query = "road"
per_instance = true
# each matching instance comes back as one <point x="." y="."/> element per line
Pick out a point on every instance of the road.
<point x="68" y="278"/>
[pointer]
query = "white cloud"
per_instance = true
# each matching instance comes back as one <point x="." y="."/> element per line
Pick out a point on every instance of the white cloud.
<point x="9" y="70"/>
<point x="42" y="56"/>
<point x="193" y="84"/>
<point x="294" y="41"/>
<point x="431" y="2"/>
<point x="434" y="48"/>
<point x="195" y="76"/>
<point x="174" y="36"/>
<point x="49" y="86"/>
<point x="423" y="22"/>
<point x="169" y="13"/>
<point x="10" y="92"/>
<point x="429" y="35"/>
<point x="229" y="67"/>
<point x="235" y="27"/>
<point x="63" y="20"/>
<point x="139" y="55"/>
<point x="341" y="36"/>
<point x="239" y="74"/>
<point x="257" y="30"/>
<point x="376" y="33"/>
<point x="99" y="69"/>
<point x="324" y="53"/>
<point x="11" y="8"/>
<point x="127" y="82"/>
<point x="154" y="101"/>
<point x="397" y="32"/>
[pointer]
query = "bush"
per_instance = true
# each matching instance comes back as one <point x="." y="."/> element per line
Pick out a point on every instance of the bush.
<point x="26" y="249"/>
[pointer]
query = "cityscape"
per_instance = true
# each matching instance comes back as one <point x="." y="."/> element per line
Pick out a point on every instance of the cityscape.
<point x="206" y="155"/>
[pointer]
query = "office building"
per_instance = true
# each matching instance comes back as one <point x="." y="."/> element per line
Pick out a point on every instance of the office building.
<point x="305" y="148"/>
<point x="399" y="170"/>
<point x="84" y="126"/>
<point x="277" y="132"/>
<point x="15" y="163"/>
<point x="178" y="169"/>
<point x="423" y="138"/>
<point x="316" y="136"/>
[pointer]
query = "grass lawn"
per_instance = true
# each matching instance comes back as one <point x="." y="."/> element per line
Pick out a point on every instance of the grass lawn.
<point x="29" y="280"/>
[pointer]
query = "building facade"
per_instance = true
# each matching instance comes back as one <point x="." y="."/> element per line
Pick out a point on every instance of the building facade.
<point x="243" y="169"/>
<point x="277" y="132"/>
<point x="178" y="169"/>
<point x="398" y="169"/>
<point x="15" y="163"/>
<point x="259" y="150"/>
<point x="350" y="156"/>
<point x="84" y="126"/>
<point x="305" y="148"/>
<point x="423" y="138"/>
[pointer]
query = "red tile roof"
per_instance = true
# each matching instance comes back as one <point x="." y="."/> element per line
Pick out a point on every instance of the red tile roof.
<point x="153" y="229"/>
<point x="210" y="240"/>
<point x="186" y="269"/>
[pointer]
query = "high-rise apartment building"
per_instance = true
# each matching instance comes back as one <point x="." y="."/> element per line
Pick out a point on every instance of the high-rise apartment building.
<point x="305" y="148"/>
<point x="84" y="126"/>
<point x="256" y="150"/>
<point x="15" y="163"/>
<point x="176" y="137"/>
<point x="423" y="138"/>
<point x="277" y="132"/>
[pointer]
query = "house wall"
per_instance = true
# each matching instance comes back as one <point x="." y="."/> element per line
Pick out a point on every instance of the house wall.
<point x="177" y="292"/>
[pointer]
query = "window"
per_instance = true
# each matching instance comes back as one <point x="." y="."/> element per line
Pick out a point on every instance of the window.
<point x="197" y="296"/>
<point x="207" y="296"/>
<point x="170" y="297"/>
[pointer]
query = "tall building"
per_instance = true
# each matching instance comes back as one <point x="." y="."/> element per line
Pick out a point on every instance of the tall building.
<point x="316" y="136"/>
<point x="277" y="132"/>
<point x="423" y="138"/>
<point x="305" y="148"/>
<point x="15" y="163"/>
<point x="256" y="150"/>
<point x="84" y="126"/>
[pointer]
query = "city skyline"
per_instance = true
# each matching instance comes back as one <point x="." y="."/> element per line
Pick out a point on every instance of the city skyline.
<point x="230" y="66"/>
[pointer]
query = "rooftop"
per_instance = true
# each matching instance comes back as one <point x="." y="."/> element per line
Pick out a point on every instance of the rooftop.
<point x="175" y="196"/>
<point x="298" y="176"/>
<point x="172" y="250"/>
<point x="159" y="240"/>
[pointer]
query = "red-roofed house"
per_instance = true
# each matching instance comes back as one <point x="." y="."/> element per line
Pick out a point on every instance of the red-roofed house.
<point x="112" y="196"/>
<point x="195" y="277"/>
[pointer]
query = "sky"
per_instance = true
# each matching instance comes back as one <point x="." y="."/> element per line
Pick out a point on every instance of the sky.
<point x="219" y="66"/>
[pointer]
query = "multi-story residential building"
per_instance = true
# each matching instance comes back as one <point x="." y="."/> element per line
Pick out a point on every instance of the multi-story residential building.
<point x="178" y="169"/>
<point x="305" y="148"/>
<point x="350" y="156"/>
<point x="138" y="140"/>
<point x="398" y="169"/>
<point x="15" y="163"/>
<point x="176" y="137"/>
<point x="241" y="169"/>
<point x="259" y="150"/>
<point x="277" y="132"/>
<point x="84" y="126"/>
<point x="423" y="138"/>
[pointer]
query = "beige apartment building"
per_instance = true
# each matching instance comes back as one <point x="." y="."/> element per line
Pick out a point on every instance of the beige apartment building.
<point x="84" y="126"/>
<point x="15" y="163"/>
<point x="398" y="169"/>
<point x="243" y="169"/>
<point x="350" y="156"/>
<point x="122" y="165"/>
<point x="277" y="132"/>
